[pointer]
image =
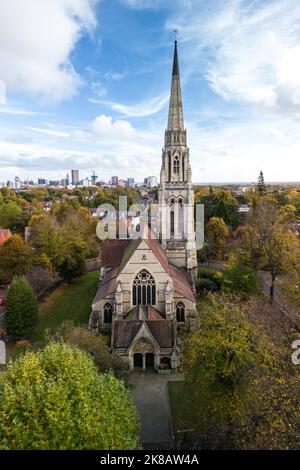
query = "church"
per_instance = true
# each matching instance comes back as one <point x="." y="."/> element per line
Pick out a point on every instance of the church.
<point x="147" y="284"/>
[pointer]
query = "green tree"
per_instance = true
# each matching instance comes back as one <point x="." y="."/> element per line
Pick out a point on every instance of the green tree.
<point x="217" y="232"/>
<point x="10" y="213"/>
<point x="240" y="278"/>
<point x="94" y="344"/>
<point x="221" y="203"/>
<point x="261" y="187"/>
<point x="70" y="262"/>
<point x="15" y="257"/>
<point x="56" y="399"/>
<point x="21" y="309"/>
<point x="269" y="240"/>
<point x="220" y="358"/>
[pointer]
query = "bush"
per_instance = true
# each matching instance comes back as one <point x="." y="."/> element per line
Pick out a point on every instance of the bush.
<point x="56" y="399"/>
<point x="205" y="285"/>
<point x="21" y="308"/>
<point x="94" y="344"/>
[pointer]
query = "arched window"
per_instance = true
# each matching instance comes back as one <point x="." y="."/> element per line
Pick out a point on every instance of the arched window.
<point x="107" y="313"/>
<point x="143" y="289"/>
<point x="176" y="165"/>
<point x="180" y="314"/>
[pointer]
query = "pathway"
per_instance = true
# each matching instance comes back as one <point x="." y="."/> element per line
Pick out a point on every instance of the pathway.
<point x="150" y="395"/>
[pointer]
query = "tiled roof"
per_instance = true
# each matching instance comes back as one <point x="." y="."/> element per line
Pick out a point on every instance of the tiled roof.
<point x="182" y="283"/>
<point x="108" y="284"/>
<point x="112" y="252"/>
<point x="126" y="330"/>
<point x="5" y="234"/>
<point x="162" y="331"/>
<point x="144" y="313"/>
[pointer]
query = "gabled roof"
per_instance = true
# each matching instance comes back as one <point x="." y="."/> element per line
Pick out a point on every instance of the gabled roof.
<point x="5" y="234"/>
<point x="108" y="285"/>
<point x="182" y="283"/>
<point x="126" y="330"/>
<point x="144" y="313"/>
<point x="121" y="251"/>
<point x="112" y="252"/>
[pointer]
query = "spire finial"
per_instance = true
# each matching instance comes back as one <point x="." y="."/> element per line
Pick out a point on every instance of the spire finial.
<point x="175" y="31"/>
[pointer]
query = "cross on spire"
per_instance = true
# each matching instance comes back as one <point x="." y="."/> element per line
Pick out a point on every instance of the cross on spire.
<point x="175" y="121"/>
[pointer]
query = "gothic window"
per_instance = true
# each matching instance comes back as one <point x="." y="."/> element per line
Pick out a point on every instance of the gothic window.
<point x="107" y="313"/>
<point x="176" y="165"/>
<point x="169" y="166"/>
<point x="172" y="218"/>
<point x="180" y="313"/>
<point x="143" y="289"/>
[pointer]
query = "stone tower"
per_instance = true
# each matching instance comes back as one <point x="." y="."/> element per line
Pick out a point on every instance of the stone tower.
<point x="176" y="194"/>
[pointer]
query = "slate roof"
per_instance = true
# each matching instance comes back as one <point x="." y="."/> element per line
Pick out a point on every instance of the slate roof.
<point x="108" y="284"/>
<point x="126" y="330"/>
<point x="112" y="252"/>
<point x="144" y="313"/>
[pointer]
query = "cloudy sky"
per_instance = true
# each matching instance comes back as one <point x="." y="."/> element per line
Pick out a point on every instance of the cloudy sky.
<point x="85" y="84"/>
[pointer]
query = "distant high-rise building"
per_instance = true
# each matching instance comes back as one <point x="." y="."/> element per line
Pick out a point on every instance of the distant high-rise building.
<point x="94" y="179"/>
<point x="115" y="180"/>
<point x="130" y="182"/>
<point x="42" y="181"/>
<point x="151" y="181"/>
<point x="75" y="177"/>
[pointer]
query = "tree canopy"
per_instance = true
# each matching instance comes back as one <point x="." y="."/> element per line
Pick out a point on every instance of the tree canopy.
<point x="56" y="399"/>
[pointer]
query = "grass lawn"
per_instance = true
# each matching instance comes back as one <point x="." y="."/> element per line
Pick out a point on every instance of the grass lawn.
<point x="68" y="302"/>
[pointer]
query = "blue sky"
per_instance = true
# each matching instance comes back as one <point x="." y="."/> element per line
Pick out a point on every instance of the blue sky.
<point x="87" y="85"/>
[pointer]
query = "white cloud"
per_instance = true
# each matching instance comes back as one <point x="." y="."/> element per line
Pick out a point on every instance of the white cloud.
<point x="16" y="111"/>
<point x="36" y="40"/>
<point x="49" y="132"/>
<point x="116" y="75"/>
<point x="253" y="50"/>
<point x="103" y="127"/>
<point x="143" y="109"/>
<point x="98" y="89"/>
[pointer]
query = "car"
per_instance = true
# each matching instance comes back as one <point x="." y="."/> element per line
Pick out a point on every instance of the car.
<point x="2" y="302"/>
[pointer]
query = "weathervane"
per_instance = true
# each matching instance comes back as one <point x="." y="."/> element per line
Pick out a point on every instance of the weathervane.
<point x="175" y="31"/>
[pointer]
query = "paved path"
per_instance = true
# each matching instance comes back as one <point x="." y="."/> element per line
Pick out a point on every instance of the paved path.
<point x="151" y="398"/>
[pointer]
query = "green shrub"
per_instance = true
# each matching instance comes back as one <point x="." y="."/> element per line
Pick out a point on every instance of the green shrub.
<point x="205" y="285"/>
<point x="21" y="308"/>
<point x="94" y="344"/>
<point x="56" y="399"/>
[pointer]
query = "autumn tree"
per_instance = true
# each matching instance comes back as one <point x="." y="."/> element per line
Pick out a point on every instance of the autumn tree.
<point x="220" y="357"/>
<point x="15" y="257"/>
<point x="55" y="399"/>
<point x="240" y="278"/>
<point x="220" y="203"/>
<point x="95" y="344"/>
<point x="9" y="214"/>
<point x="269" y="241"/>
<point x="217" y="232"/>
<point x="21" y="308"/>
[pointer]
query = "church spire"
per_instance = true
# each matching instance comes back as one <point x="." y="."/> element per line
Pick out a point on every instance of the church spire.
<point x="175" y="120"/>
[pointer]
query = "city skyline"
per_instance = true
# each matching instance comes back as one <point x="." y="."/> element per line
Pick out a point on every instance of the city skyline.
<point x="95" y="97"/>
